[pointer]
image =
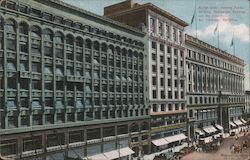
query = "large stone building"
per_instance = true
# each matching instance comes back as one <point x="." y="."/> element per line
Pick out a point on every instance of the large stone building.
<point x="215" y="91"/>
<point x="166" y="61"/>
<point x="73" y="84"/>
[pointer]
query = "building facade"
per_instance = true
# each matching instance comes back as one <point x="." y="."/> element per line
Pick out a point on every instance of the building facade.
<point x="70" y="86"/>
<point x="166" y="61"/>
<point x="215" y="91"/>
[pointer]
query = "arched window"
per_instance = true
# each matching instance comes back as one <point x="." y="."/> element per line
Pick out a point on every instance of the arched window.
<point x="104" y="47"/>
<point x="10" y="26"/>
<point x="35" y="32"/>
<point x="118" y="50"/>
<point x="111" y="49"/>
<point x="88" y="44"/>
<point x="58" y="37"/>
<point x="130" y="53"/>
<point x="79" y="41"/>
<point x="48" y="35"/>
<point x="135" y="54"/>
<point x="69" y="39"/>
<point x="124" y="52"/>
<point x="141" y="56"/>
<point x="23" y="28"/>
<point x="96" y="46"/>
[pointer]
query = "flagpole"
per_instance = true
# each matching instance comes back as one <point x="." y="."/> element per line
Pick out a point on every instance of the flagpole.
<point x="233" y="44"/>
<point x="218" y="36"/>
<point x="195" y="20"/>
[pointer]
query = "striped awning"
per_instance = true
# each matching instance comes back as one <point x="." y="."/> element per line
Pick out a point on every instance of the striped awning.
<point x="176" y="138"/>
<point x="232" y="124"/>
<point x="238" y="122"/>
<point x="209" y="129"/>
<point x="219" y="127"/>
<point x="199" y="131"/>
<point x="245" y="122"/>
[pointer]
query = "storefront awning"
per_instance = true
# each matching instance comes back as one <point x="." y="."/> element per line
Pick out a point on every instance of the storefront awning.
<point x="126" y="151"/>
<point x="245" y="122"/>
<point x="160" y="142"/>
<point x="209" y="129"/>
<point x="175" y="138"/>
<point x="199" y="131"/>
<point x="219" y="127"/>
<point x="238" y="122"/>
<point x="98" y="157"/>
<point x="232" y="124"/>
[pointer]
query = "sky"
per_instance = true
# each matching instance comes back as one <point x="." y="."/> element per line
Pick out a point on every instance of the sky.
<point x="229" y="18"/>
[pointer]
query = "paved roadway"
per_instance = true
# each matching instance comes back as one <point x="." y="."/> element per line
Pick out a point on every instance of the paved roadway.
<point x="224" y="151"/>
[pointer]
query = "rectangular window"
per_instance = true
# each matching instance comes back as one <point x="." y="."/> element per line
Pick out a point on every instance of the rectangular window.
<point x="152" y="25"/>
<point x="11" y="44"/>
<point x="154" y="80"/>
<point x="93" y="133"/>
<point x="160" y="29"/>
<point x="153" y="45"/>
<point x="154" y="94"/>
<point x="167" y="31"/>
<point x="174" y="34"/>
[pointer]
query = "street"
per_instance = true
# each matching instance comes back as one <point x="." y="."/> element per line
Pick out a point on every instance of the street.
<point x="225" y="151"/>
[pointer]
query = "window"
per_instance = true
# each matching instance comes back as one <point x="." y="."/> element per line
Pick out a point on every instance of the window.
<point x="37" y="119"/>
<point x="180" y="36"/>
<point x="161" y="69"/>
<point x="59" y="53"/>
<point x="11" y="66"/>
<point x="174" y="34"/>
<point x="36" y="85"/>
<point x="23" y="28"/>
<point x="160" y="29"/>
<point x="153" y="45"/>
<point x="11" y="44"/>
<point x="47" y="35"/>
<point x="35" y="12"/>
<point x="36" y="67"/>
<point x="162" y="94"/>
<point x="35" y="49"/>
<point x="162" y="107"/>
<point x="167" y="31"/>
<point x="23" y="8"/>
<point x="35" y="32"/>
<point x="23" y="47"/>
<point x="154" y="68"/>
<point x="169" y="49"/>
<point x="162" y="81"/>
<point x="10" y="26"/>
<point x="170" y="108"/>
<point x="154" y="93"/>
<point x="170" y="94"/>
<point x="47" y="16"/>
<point x="11" y="103"/>
<point x="161" y="58"/>
<point x="8" y="147"/>
<point x="58" y="37"/>
<point x="153" y="56"/>
<point x="93" y="133"/>
<point x="152" y="25"/>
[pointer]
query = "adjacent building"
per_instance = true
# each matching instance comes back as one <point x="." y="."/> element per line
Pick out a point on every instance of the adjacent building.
<point x="166" y="63"/>
<point x="215" y="91"/>
<point x="72" y="83"/>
